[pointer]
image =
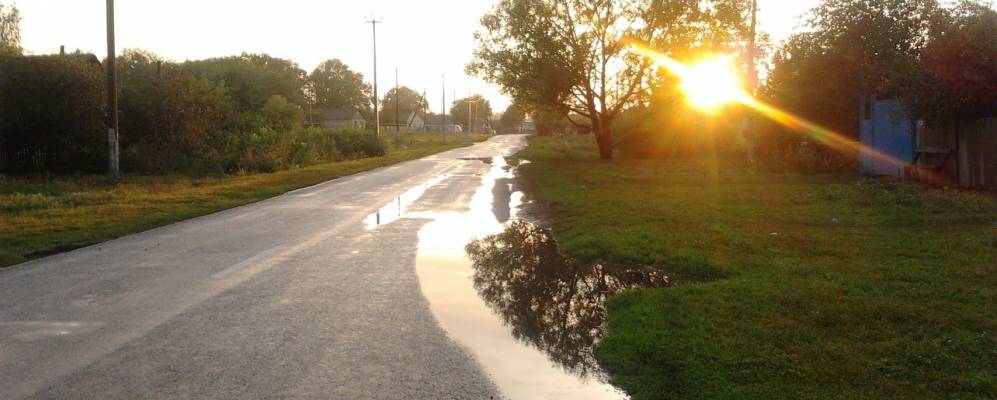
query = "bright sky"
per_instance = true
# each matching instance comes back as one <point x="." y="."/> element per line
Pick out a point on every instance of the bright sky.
<point x="424" y="39"/>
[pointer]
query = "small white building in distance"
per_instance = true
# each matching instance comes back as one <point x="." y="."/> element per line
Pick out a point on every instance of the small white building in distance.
<point x="341" y="118"/>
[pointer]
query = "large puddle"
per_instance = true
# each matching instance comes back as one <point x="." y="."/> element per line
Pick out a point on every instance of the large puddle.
<point x="500" y="288"/>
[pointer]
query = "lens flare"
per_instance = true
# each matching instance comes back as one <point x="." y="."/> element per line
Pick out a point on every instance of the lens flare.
<point x="712" y="83"/>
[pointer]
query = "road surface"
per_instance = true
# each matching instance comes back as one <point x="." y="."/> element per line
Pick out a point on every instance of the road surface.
<point x="292" y="297"/>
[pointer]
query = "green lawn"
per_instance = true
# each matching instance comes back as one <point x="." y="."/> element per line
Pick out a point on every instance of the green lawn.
<point x="796" y="286"/>
<point x="46" y="215"/>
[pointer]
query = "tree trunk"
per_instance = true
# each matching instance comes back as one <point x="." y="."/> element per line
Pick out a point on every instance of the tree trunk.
<point x="605" y="141"/>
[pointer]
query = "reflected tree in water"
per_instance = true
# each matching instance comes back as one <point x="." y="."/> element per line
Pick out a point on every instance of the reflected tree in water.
<point x="551" y="302"/>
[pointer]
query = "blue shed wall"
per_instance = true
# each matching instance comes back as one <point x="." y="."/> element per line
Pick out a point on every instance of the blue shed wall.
<point x="887" y="128"/>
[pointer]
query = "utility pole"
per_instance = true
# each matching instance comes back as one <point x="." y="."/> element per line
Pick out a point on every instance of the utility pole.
<point x="377" y="108"/>
<point x="752" y="69"/>
<point x="752" y="81"/>
<point x="398" y="110"/>
<point x="112" y="96"/>
<point x="425" y="110"/>
<point x="443" y="110"/>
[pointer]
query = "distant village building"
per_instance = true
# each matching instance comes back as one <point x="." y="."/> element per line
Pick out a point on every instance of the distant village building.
<point x="528" y="127"/>
<point x="436" y="123"/>
<point x="405" y="122"/>
<point x="341" y="118"/>
<point x="962" y="153"/>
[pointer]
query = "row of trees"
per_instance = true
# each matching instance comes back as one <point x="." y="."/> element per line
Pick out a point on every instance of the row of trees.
<point x="240" y="113"/>
<point x="569" y="59"/>
<point x="218" y="115"/>
<point x="940" y="58"/>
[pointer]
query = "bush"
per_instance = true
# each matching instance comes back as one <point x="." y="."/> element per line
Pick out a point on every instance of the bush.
<point x="170" y="120"/>
<point x="269" y="151"/>
<point x="51" y="115"/>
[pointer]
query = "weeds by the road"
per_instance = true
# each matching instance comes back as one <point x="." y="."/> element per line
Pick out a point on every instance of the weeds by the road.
<point x="822" y="286"/>
<point x="42" y="215"/>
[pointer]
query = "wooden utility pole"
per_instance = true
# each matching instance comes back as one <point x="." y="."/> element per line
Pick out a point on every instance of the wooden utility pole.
<point x="398" y="110"/>
<point x="112" y="96"/>
<point x="443" y="110"/>
<point x="377" y="108"/>
<point x="752" y="81"/>
<point x="752" y="69"/>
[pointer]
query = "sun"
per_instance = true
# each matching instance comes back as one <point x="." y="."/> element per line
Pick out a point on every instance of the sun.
<point x="711" y="83"/>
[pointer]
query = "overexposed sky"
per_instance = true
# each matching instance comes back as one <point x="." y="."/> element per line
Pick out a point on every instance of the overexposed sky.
<point x="423" y="39"/>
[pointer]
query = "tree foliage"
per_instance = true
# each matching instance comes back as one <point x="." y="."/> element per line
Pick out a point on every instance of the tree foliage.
<point x="957" y="75"/>
<point x="334" y="85"/>
<point x="940" y="59"/>
<point x="474" y="110"/>
<point x="219" y="115"/>
<point x="283" y="115"/>
<point x="10" y="30"/>
<point x="571" y="57"/>
<point x="512" y="119"/>
<point x="403" y="100"/>
<point x="170" y="119"/>
<point x="51" y="114"/>
<point x="251" y="79"/>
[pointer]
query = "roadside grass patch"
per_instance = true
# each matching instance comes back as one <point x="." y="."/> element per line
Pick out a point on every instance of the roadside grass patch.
<point x="812" y="286"/>
<point x="44" y="214"/>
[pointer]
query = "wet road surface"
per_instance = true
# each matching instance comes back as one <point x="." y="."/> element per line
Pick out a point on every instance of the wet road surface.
<point x="293" y="297"/>
<point x="412" y="281"/>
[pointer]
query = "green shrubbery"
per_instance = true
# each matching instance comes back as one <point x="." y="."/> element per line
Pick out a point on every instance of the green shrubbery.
<point x="51" y="115"/>
<point x="238" y="114"/>
<point x="267" y="150"/>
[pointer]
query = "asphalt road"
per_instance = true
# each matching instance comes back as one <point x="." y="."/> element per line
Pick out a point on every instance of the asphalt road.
<point x="293" y="297"/>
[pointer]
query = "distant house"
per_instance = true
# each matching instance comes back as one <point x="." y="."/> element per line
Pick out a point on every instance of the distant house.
<point x="341" y="118"/>
<point x="88" y="58"/>
<point x="437" y="123"/>
<point x="528" y="127"/>
<point x="406" y="122"/>
<point x="962" y="153"/>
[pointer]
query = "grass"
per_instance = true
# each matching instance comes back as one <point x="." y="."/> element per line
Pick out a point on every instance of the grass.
<point x="43" y="215"/>
<point x="796" y="286"/>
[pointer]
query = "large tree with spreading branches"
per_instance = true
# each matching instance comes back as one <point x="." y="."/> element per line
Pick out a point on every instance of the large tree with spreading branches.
<point x="573" y="57"/>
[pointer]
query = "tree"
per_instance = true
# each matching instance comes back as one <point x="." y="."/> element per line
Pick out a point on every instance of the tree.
<point x="852" y="48"/>
<point x="334" y="86"/>
<point x="283" y="116"/>
<point x="175" y="120"/>
<point x="957" y="75"/>
<point x="571" y="56"/>
<point x="402" y="99"/>
<point x="10" y="30"/>
<point x="252" y="78"/>
<point x="52" y="114"/>
<point x="470" y="111"/>
<point x="513" y="118"/>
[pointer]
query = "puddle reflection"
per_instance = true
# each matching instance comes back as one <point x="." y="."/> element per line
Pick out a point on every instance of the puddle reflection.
<point x="499" y="287"/>
<point x="549" y="301"/>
